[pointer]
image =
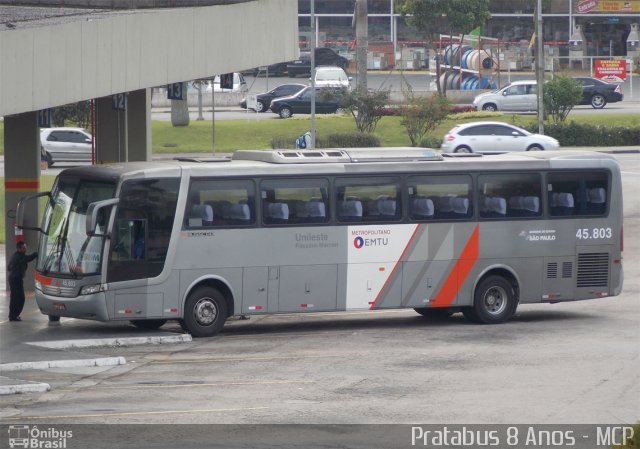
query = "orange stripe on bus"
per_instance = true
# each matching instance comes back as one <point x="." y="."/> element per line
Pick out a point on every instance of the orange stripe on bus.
<point x="461" y="270"/>
<point x="415" y="231"/>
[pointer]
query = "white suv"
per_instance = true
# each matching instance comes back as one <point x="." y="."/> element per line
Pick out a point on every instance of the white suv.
<point x="517" y="96"/>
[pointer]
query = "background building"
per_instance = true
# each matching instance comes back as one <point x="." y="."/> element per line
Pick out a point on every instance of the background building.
<point x="605" y="25"/>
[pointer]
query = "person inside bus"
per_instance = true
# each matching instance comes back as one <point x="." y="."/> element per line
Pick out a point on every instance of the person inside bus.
<point x="138" y="243"/>
<point x="17" y="268"/>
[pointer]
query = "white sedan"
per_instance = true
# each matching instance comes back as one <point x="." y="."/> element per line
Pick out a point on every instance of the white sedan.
<point x="494" y="137"/>
<point x="65" y="145"/>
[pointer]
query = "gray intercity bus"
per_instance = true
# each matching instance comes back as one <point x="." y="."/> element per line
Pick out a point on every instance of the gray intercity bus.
<point x="268" y="232"/>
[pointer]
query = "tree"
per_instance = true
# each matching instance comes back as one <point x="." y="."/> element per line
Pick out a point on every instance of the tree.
<point x="421" y="115"/>
<point x="434" y="17"/>
<point x="561" y="94"/>
<point x="366" y="107"/>
<point x="78" y="113"/>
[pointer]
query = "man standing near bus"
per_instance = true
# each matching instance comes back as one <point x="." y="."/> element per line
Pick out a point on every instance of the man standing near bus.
<point x="17" y="268"/>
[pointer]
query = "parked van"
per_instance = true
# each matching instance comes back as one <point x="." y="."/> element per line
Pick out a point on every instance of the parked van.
<point x="239" y="84"/>
<point x="332" y="77"/>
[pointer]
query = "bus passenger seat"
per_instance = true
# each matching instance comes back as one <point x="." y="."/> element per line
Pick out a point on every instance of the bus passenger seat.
<point x="444" y="204"/>
<point x="386" y="207"/>
<point x="201" y="215"/>
<point x="350" y="210"/>
<point x="524" y="206"/>
<point x="276" y="213"/>
<point x="422" y="208"/>
<point x="316" y="211"/>
<point x="461" y="206"/>
<point x="531" y="205"/>
<point x="562" y="203"/>
<point x="494" y="206"/>
<point x="597" y="200"/>
<point x="239" y="213"/>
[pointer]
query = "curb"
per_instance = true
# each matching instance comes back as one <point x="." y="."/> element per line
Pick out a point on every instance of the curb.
<point x="20" y="366"/>
<point x="116" y="341"/>
<point x="29" y="387"/>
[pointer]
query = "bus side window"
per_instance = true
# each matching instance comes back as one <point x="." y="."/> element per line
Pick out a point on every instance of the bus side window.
<point x="510" y="195"/>
<point x="577" y="193"/>
<point x="374" y="199"/>
<point x="294" y="201"/>
<point x="440" y="197"/>
<point x="220" y="203"/>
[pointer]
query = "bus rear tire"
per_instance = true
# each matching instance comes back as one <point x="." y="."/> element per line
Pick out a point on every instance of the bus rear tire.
<point x="148" y="324"/>
<point x="205" y="312"/>
<point x="494" y="301"/>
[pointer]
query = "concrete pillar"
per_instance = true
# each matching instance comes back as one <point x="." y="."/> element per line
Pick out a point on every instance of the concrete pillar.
<point x="111" y="132"/>
<point x="22" y="178"/>
<point x="139" y="125"/>
<point x="124" y="135"/>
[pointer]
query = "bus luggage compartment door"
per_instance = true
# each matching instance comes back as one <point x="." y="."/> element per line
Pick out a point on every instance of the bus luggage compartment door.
<point x="308" y="288"/>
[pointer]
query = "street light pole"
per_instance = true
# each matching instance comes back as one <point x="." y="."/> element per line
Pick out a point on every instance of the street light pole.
<point x="540" y="67"/>
<point x="313" y="76"/>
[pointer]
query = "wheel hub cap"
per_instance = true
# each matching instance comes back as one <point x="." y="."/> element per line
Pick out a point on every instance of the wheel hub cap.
<point x="205" y="311"/>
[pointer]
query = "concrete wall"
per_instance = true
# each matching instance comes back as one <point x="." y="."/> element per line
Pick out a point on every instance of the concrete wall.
<point x="122" y="51"/>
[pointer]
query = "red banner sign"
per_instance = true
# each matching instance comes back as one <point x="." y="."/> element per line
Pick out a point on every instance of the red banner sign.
<point x="611" y="70"/>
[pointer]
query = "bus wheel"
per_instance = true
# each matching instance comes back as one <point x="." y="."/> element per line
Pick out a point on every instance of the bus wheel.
<point x="148" y="324"/>
<point x="205" y="312"/>
<point x="434" y="312"/>
<point x="494" y="301"/>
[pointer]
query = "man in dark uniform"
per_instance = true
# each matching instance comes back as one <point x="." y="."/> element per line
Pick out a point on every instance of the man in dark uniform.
<point x="17" y="268"/>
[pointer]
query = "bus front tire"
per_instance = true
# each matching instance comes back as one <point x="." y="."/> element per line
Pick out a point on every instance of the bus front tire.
<point x="494" y="302"/>
<point x="148" y="324"/>
<point x="205" y="312"/>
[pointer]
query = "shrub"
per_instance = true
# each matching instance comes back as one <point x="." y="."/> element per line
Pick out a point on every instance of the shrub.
<point x="348" y="140"/>
<point x="422" y="115"/>
<point x="366" y="106"/>
<point x="576" y="135"/>
<point x="462" y="108"/>
<point x="430" y="141"/>
<point x="561" y="94"/>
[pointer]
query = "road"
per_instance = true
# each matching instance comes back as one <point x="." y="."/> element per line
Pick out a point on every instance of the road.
<point x="557" y="364"/>
<point x="396" y="82"/>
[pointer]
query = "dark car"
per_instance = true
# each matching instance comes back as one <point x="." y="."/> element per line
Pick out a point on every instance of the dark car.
<point x="328" y="101"/>
<point x="324" y="56"/>
<point x="264" y="99"/>
<point x="598" y="93"/>
<point x="277" y="69"/>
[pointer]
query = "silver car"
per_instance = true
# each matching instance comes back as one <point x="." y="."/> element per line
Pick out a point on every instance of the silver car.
<point x="65" y="145"/>
<point x="494" y="137"/>
<point x="517" y="96"/>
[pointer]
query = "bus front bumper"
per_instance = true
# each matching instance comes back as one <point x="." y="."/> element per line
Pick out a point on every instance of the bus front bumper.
<point x="88" y="307"/>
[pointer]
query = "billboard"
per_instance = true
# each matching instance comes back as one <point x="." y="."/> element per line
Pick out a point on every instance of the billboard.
<point x="611" y="70"/>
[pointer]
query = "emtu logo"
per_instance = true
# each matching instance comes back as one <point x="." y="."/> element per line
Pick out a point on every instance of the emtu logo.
<point x="358" y="242"/>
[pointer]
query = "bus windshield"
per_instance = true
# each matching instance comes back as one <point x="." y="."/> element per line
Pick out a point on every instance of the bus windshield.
<point x="65" y="248"/>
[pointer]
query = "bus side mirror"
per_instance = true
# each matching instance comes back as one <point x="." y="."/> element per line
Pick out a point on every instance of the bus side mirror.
<point x="93" y="214"/>
<point x="20" y="211"/>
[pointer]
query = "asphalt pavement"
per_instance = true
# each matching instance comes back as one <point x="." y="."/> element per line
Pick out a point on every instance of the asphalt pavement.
<point x="36" y="343"/>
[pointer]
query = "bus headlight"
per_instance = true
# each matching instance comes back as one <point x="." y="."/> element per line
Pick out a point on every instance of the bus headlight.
<point x="90" y="289"/>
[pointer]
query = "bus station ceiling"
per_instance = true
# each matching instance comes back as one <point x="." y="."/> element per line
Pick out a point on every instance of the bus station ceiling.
<point x="55" y="56"/>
